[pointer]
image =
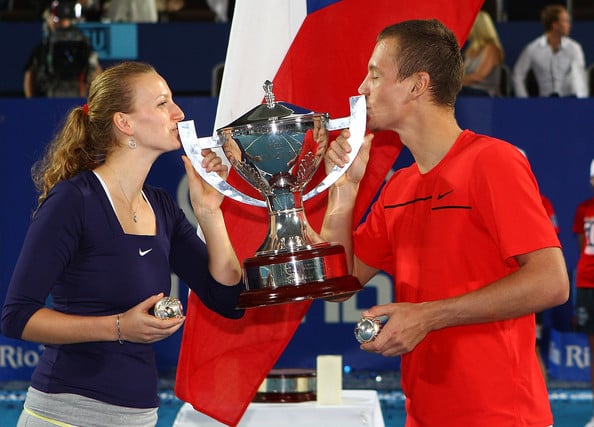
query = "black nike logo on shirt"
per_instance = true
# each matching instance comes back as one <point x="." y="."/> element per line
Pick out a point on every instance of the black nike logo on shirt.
<point x="442" y="195"/>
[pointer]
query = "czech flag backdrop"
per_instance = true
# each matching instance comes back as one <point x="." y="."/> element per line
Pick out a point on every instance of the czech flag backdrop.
<point x="316" y="54"/>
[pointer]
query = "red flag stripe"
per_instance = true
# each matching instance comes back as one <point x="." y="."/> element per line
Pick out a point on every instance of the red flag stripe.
<point x="222" y="362"/>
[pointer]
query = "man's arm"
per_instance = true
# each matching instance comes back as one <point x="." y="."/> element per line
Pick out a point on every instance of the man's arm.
<point x="519" y="74"/>
<point x="578" y="73"/>
<point x="337" y="226"/>
<point x="540" y="282"/>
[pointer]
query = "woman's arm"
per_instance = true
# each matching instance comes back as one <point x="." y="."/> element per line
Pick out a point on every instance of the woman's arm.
<point x="49" y="326"/>
<point x="206" y="201"/>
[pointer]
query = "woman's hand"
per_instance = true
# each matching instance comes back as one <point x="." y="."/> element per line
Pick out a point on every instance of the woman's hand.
<point x="206" y="202"/>
<point x="139" y="326"/>
<point x="202" y="195"/>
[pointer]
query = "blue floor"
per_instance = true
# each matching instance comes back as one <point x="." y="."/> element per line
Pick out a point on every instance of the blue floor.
<point x="571" y="408"/>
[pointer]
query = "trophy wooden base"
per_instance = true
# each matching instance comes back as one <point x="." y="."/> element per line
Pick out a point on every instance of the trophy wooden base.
<point x="287" y="386"/>
<point x="284" y="397"/>
<point x="316" y="273"/>
<point x="332" y="288"/>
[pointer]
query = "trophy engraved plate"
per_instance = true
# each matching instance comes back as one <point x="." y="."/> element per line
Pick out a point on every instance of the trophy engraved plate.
<point x="277" y="148"/>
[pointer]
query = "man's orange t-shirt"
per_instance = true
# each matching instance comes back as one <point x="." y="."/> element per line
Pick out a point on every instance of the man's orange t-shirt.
<point x="451" y="231"/>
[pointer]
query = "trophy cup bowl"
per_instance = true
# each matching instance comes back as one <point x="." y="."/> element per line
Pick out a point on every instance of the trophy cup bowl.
<point x="277" y="151"/>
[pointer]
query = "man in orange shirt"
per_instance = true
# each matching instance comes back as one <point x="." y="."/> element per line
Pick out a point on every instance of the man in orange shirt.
<point x="463" y="233"/>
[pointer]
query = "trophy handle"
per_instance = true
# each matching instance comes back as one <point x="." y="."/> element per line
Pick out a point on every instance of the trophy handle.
<point x="356" y="124"/>
<point x="193" y="147"/>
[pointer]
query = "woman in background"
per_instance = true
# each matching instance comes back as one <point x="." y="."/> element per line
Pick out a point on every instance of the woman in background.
<point x="483" y="59"/>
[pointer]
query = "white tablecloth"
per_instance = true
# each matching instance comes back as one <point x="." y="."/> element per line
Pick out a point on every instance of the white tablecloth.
<point x="359" y="408"/>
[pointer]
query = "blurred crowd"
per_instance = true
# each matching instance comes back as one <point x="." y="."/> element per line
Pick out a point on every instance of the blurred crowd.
<point x="551" y="65"/>
<point x="125" y="10"/>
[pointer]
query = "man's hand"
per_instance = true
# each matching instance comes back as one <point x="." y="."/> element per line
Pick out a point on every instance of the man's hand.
<point x="338" y="155"/>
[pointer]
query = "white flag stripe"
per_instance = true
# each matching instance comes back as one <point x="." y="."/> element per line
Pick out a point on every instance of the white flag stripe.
<point x="256" y="23"/>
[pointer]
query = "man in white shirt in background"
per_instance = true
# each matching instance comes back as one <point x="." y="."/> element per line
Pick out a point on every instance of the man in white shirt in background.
<point x="556" y="60"/>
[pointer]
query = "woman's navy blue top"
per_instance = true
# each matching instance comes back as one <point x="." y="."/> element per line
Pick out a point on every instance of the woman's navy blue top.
<point x="76" y="251"/>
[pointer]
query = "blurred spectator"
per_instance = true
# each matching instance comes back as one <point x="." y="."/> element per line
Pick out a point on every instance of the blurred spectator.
<point x="482" y="59"/>
<point x="92" y="10"/>
<point x="171" y="5"/>
<point x="22" y="10"/>
<point x="556" y="60"/>
<point x="132" y="11"/>
<point x="63" y="64"/>
<point x="220" y="9"/>
<point x="583" y="227"/>
<point x="194" y="10"/>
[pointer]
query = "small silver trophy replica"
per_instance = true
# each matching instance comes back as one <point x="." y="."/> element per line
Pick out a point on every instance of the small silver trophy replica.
<point x="168" y="308"/>
<point x="277" y="151"/>
<point x="367" y="329"/>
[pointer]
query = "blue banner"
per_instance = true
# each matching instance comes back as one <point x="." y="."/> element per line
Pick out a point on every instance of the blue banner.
<point x="112" y="41"/>
<point x="569" y="356"/>
<point x="560" y="157"/>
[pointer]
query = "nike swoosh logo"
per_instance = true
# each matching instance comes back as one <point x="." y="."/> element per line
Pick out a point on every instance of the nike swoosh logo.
<point x="442" y="195"/>
<point x="143" y="253"/>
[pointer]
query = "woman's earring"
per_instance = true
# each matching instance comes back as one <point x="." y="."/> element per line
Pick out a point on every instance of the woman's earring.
<point x="131" y="144"/>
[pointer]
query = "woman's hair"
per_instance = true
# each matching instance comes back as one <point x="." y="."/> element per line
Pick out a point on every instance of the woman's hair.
<point x="483" y="33"/>
<point x="88" y="135"/>
<point x="549" y="15"/>
<point x="428" y="46"/>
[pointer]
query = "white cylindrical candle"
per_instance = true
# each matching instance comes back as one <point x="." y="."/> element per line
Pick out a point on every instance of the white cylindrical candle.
<point x="329" y="379"/>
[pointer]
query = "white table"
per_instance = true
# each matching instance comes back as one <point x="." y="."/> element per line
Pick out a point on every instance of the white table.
<point x="359" y="408"/>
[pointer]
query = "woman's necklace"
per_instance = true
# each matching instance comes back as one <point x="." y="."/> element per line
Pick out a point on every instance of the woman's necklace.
<point x="134" y="210"/>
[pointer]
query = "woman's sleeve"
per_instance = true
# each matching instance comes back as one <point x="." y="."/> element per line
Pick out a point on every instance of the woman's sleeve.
<point x="50" y="244"/>
<point x="189" y="260"/>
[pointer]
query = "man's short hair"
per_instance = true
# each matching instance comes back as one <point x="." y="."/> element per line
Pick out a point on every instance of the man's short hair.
<point x="549" y="15"/>
<point x="428" y="46"/>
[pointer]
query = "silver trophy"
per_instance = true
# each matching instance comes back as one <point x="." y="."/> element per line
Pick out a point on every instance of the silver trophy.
<point x="277" y="148"/>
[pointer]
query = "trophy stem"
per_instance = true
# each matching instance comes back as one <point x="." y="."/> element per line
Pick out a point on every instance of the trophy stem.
<point x="287" y="230"/>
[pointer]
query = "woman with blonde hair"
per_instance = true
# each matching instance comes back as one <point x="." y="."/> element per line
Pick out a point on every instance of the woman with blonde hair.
<point x="103" y="244"/>
<point x="483" y="59"/>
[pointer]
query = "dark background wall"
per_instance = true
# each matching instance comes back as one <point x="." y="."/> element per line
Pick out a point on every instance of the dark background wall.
<point x="186" y="52"/>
